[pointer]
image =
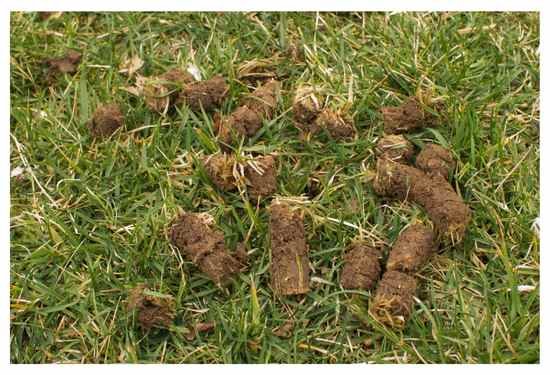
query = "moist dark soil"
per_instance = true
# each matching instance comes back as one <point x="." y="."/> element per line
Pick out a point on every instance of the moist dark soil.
<point x="306" y="106"/>
<point x="106" y="120"/>
<point x="152" y="309"/>
<point x="361" y="267"/>
<point x="207" y="95"/>
<point x="394" y="298"/>
<point x="436" y="160"/>
<point x="264" y="184"/>
<point x="66" y="64"/>
<point x="405" y="118"/>
<point x="219" y="168"/>
<point x="337" y="125"/>
<point x="412" y="249"/>
<point x="289" y="251"/>
<point x="162" y="92"/>
<point x="243" y="122"/>
<point x="204" y="246"/>
<point x="395" y="147"/>
<point x="264" y="99"/>
<point x="443" y="205"/>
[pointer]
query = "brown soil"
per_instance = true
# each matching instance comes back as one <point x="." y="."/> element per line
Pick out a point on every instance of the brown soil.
<point x="106" y="120"/>
<point x="306" y="106"/>
<point x="66" y="64"/>
<point x="153" y="310"/>
<point x="394" y="147"/>
<point x="445" y="208"/>
<point x="219" y="168"/>
<point x="412" y="249"/>
<point x="207" y="94"/>
<point x="162" y="92"/>
<point x="243" y="122"/>
<point x="394" y="298"/>
<point x="262" y="184"/>
<point x="264" y="99"/>
<point x="436" y="160"/>
<point x="407" y="117"/>
<point x="361" y="267"/>
<point x="289" y="251"/>
<point x="204" y="246"/>
<point x="337" y="125"/>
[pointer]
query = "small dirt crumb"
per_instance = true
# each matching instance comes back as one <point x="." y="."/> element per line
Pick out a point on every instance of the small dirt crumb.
<point x="394" y="147"/>
<point x="199" y="328"/>
<point x="261" y="177"/>
<point x="241" y="254"/>
<point x="207" y="94"/>
<point x="66" y="64"/>
<point x="289" y="251"/>
<point x="243" y="122"/>
<point x="436" y="160"/>
<point x="407" y="117"/>
<point x="361" y="267"/>
<point x="106" y="120"/>
<point x="394" y="298"/>
<point x="220" y="169"/>
<point x="412" y="249"/>
<point x="337" y="125"/>
<point x="443" y="205"/>
<point x="306" y="106"/>
<point x="284" y="330"/>
<point x="204" y="246"/>
<point x="264" y="99"/>
<point x="153" y="309"/>
<point x="162" y="92"/>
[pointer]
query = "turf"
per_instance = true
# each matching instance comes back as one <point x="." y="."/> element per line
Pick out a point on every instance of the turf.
<point x="89" y="218"/>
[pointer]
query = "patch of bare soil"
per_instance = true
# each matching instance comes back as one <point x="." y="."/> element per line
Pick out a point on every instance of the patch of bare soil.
<point x="289" y="251"/>
<point x="106" y="120"/>
<point x="443" y="205"/>
<point x="436" y="160"/>
<point x="395" y="147"/>
<point x="152" y="309"/>
<point x="204" y="246"/>
<point x="412" y="249"/>
<point x="361" y="267"/>
<point x="394" y="298"/>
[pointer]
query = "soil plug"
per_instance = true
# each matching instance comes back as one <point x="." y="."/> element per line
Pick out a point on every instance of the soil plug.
<point x="412" y="249"/>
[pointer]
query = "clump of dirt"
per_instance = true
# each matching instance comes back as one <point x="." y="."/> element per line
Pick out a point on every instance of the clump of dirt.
<point x="338" y="126"/>
<point x="394" y="147"/>
<point x="261" y="177"/>
<point x="207" y="94"/>
<point x="445" y="208"/>
<point x="203" y="245"/>
<point x="66" y="64"/>
<point x="162" y="92"/>
<point x="264" y="99"/>
<point x="306" y="106"/>
<point x="106" y="120"/>
<point x="394" y="298"/>
<point x="247" y="119"/>
<point x="220" y="169"/>
<point x="435" y="160"/>
<point x="361" y="267"/>
<point x="412" y="249"/>
<point x="243" y="122"/>
<point x="289" y="251"/>
<point x="152" y="309"/>
<point x="407" y="117"/>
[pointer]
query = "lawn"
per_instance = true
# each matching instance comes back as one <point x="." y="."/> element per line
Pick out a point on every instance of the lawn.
<point x="89" y="217"/>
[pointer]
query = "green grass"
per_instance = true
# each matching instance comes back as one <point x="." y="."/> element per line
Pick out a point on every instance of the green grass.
<point x="89" y="222"/>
